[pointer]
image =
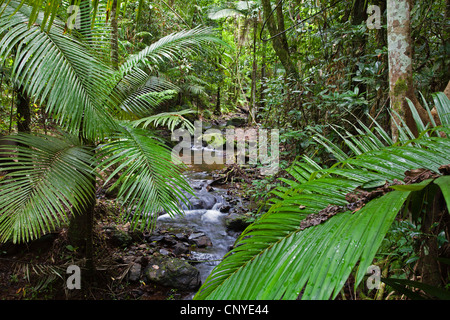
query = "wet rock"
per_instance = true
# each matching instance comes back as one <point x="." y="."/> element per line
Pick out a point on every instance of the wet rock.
<point x="135" y="272"/>
<point x="202" y="200"/>
<point x="155" y="238"/>
<point x="225" y="208"/>
<point x="236" y="222"/>
<point x="181" y="236"/>
<point x="118" y="238"/>
<point x="169" y="240"/>
<point x="180" y="248"/>
<point x="200" y="240"/>
<point x="164" y="252"/>
<point x="173" y="273"/>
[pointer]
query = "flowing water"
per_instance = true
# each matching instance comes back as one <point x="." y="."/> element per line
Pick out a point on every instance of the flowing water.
<point x="203" y="215"/>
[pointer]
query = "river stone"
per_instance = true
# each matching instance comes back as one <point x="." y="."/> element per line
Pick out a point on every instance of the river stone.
<point x="203" y="200"/>
<point x="180" y="248"/>
<point x="236" y="222"/>
<point x="118" y="237"/>
<point x="135" y="272"/>
<point x="172" y="272"/>
<point x="200" y="240"/>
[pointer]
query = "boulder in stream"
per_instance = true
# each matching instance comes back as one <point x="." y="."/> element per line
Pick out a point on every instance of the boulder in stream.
<point x="237" y="222"/>
<point x="172" y="272"/>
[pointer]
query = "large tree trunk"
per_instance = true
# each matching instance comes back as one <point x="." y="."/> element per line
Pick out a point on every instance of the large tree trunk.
<point x="279" y="39"/>
<point x="400" y="66"/>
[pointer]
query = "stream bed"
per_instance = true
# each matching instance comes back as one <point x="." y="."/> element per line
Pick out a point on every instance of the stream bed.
<point x="205" y="218"/>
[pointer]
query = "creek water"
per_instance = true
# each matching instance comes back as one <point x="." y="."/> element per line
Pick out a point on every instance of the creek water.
<point x="204" y="217"/>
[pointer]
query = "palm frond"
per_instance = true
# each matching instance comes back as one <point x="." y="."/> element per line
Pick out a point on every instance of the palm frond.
<point x="172" y="47"/>
<point x="55" y="67"/>
<point x="48" y="178"/>
<point x="315" y="262"/>
<point x="133" y="93"/>
<point x="149" y="182"/>
<point x="171" y="120"/>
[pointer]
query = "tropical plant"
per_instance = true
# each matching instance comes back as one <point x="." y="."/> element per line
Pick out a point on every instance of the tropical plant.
<point x="325" y="224"/>
<point x="50" y="178"/>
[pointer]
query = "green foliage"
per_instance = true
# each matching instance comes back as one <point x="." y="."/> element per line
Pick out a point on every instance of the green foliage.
<point x="34" y="68"/>
<point x="47" y="179"/>
<point x="313" y="236"/>
<point x="149" y="182"/>
<point x="47" y="176"/>
<point x="171" y="120"/>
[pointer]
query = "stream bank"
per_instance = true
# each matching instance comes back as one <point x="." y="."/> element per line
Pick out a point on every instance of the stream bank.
<point x="171" y="262"/>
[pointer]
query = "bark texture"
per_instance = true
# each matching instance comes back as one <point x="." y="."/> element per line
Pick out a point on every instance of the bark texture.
<point x="279" y="40"/>
<point x="400" y="66"/>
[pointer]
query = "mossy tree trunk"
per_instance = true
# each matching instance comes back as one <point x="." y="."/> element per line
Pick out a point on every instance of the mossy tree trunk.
<point x="279" y="40"/>
<point x="400" y="66"/>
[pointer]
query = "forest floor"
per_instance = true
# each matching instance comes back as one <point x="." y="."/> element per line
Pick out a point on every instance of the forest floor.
<point x="38" y="270"/>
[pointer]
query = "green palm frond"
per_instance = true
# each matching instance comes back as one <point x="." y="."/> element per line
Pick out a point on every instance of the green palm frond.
<point x="315" y="262"/>
<point x="50" y="9"/>
<point x="172" y="47"/>
<point x="149" y="182"/>
<point x="137" y="73"/>
<point x="56" y="68"/>
<point x="442" y="104"/>
<point x="48" y="178"/>
<point x="171" y="120"/>
<point x="133" y="93"/>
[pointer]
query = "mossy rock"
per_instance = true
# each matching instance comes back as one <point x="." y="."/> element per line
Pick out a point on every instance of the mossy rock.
<point x="172" y="272"/>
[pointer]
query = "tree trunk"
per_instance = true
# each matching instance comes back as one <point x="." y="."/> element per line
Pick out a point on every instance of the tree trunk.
<point x="279" y="40"/>
<point x="400" y="67"/>
<point x="81" y="226"/>
<point x="359" y="15"/>
<point x="218" y="109"/>
<point x="263" y="76"/>
<point x="252" y="117"/>
<point x="23" y="111"/>
<point x="434" y="222"/>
